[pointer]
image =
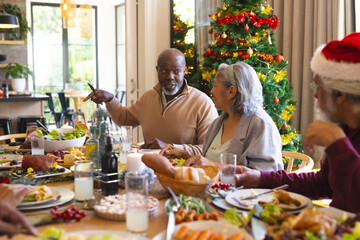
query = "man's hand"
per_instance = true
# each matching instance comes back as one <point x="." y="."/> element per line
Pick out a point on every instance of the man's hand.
<point x="12" y="221"/>
<point x="198" y="160"/>
<point x="321" y="133"/>
<point x="247" y="177"/>
<point x="170" y="151"/>
<point x="99" y="96"/>
<point x="153" y="144"/>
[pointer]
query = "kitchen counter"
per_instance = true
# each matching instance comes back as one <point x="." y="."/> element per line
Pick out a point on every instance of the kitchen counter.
<point x="16" y="106"/>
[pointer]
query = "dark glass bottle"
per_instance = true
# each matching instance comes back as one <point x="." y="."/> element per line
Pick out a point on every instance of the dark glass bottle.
<point x="109" y="170"/>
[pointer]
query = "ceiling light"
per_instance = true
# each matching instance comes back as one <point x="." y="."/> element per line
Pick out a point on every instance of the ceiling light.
<point x="8" y="21"/>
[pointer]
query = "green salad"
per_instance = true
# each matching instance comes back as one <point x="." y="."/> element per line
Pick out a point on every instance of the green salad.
<point x="78" y="132"/>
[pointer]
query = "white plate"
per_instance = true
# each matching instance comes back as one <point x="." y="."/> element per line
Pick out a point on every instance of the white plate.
<point x="243" y="193"/>
<point x="54" y="174"/>
<point x="54" y="192"/>
<point x="215" y="226"/>
<point x="65" y="195"/>
<point x="221" y="203"/>
<point x="335" y="212"/>
<point x="148" y="151"/>
<point x="10" y="157"/>
<point x="122" y="235"/>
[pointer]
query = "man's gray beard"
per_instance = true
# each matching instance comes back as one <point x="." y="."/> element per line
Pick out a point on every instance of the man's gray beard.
<point x="172" y="92"/>
<point x="331" y="109"/>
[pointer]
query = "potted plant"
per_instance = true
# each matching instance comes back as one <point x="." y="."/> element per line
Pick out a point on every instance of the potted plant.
<point x="18" y="72"/>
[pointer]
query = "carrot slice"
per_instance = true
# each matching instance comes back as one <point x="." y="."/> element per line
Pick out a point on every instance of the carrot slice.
<point x="213" y="236"/>
<point x="183" y="231"/>
<point x="205" y="234"/>
<point x="237" y="236"/>
<point x="221" y="236"/>
<point x="193" y="235"/>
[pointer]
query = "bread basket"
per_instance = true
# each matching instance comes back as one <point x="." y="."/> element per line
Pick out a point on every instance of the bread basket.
<point x="188" y="187"/>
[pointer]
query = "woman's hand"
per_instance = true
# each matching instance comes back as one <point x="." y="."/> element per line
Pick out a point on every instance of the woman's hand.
<point x="99" y="96"/>
<point x="170" y="151"/>
<point x="12" y="221"/>
<point x="320" y="133"/>
<point x="247" y="177"/>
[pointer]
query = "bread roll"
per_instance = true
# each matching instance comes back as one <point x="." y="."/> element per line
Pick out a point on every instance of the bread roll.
<point x="159" y="164"/>
<point x="192" y="174"/>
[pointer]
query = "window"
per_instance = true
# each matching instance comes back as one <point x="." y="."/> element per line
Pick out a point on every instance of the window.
<point x="61" y="58"/>
<point x="120" y="54"/>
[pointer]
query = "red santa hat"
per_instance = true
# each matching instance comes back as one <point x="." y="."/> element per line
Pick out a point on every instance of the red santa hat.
<point x="338" y="64"/>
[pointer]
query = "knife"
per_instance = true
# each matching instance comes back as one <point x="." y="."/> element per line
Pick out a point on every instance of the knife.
<point x="267" y="192"/>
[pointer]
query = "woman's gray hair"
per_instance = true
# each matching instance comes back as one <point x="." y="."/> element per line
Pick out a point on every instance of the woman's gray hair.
<point x="249" y="96"/>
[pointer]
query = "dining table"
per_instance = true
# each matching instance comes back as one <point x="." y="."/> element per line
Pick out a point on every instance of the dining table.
<point x="157" y="222"/>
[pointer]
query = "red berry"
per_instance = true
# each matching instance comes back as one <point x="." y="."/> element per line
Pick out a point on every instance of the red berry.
<point x="78" y="218"/>
<point x="74" y="209"/>
<point x="78" y="212"/>
<point x="276" y="100"/>
<point x="59" y="215"/>
<point x="3" y="178"/>
<point x="70" y="215"/>
<point x="83" y="214"/>
<point x="56" y="207"/>
<point x="67" y="211"/>
<point x="54" y="218"/>
<point x="52" y="212"/>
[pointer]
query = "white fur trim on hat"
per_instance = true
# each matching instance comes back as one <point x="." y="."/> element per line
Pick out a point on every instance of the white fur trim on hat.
<point x="332" y="69"/>
<point x="342" y="76"/>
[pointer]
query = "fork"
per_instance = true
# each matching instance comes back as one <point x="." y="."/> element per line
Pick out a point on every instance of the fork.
<point x="175" y="207"/>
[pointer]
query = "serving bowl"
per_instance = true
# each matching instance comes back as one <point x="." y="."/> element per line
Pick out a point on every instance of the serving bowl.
<point x="188" y="187"/>
<point x="51" y="145"/>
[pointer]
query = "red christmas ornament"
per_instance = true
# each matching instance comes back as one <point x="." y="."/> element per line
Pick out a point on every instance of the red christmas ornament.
<point x="246" y="27"/>
<point x="208" y="52"/>
<point x="214" y="57"/>
<point x="211" y="31"/>
<point x="245" y="56"/>
<point x="216" y="34"/>
<point x="240" y="53"/>
<point x="285" y="126"/>
<point x="278" y="58"/>
<point x="276" y="100"/>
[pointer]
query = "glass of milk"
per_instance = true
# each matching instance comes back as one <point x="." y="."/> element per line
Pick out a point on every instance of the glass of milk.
<point x="228" y="168"/>
<point x="83" y="178"/>
<point x="137" y="215"/>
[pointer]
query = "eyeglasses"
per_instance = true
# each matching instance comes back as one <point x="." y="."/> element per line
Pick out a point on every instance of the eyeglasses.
<point x="314" y="87"/>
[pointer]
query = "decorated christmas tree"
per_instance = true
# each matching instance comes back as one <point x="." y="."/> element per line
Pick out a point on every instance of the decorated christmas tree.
<point x="243" y="31"/>
<point x="180" y="31"/>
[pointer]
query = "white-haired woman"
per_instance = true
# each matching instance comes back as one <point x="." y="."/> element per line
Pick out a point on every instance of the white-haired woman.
<point x="244" y="128"/>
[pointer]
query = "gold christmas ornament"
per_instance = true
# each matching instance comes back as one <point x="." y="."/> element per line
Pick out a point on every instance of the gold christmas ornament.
<point x="262" y="8"/>
<point x="224" y="35"/>
<point x="224" y="7"/>
<point x="249" y="51"/>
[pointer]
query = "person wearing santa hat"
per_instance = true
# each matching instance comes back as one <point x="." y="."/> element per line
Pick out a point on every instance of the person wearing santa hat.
<point x="336" y="67"/>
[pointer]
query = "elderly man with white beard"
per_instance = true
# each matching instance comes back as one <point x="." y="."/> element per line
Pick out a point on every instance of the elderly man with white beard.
<point x="337" y="88"/>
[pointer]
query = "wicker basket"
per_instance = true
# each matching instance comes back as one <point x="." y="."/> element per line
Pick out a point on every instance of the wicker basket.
<point x="187" y="187"/>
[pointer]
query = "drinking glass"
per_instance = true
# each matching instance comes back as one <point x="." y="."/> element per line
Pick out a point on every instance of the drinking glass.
<point x="37" y="145"/>
<point x="228" y="167"/>
<point x="83" y="178"/>
<point x="126" y="141"/>
<point x="137" y="215"/>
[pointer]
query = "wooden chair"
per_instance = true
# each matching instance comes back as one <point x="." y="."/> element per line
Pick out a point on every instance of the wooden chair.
<point x="306" y="165"/>
<point x="12" y="137"/>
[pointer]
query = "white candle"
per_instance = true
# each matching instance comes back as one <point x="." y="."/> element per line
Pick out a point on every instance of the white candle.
<point x="134" y="163"/>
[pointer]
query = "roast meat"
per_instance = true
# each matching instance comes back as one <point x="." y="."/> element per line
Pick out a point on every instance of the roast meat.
<point x="37" y="162"/>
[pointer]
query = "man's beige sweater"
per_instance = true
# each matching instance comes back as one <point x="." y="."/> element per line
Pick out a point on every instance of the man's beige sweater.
<point x="184" y="121"/>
